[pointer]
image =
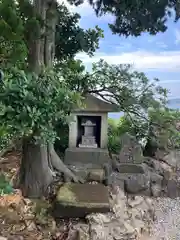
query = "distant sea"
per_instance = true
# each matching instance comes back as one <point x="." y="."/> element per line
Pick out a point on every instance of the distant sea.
<point x="173" y="103"/>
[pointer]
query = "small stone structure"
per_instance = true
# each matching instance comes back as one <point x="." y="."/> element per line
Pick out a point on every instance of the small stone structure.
<point x="88" y="138"/>
<point x="130" y="156"/>
<point x="88" y="133"/>
<point x="78" y="200"/>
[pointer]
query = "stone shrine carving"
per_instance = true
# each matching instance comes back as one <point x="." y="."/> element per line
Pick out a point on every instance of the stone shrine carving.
<point x="88" y="139"/>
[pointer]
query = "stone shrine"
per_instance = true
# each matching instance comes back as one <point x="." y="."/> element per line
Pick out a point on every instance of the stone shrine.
<point x="88" y="139"/>
<point x="88" y="133"/>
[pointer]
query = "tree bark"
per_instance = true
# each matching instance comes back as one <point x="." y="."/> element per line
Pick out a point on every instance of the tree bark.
<point x="40" y="161"/>
<point x="59" y="166"/>
<point x="35" y="174"/>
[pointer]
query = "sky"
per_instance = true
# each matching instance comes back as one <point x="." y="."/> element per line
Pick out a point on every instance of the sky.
<point x="158" y="56"/>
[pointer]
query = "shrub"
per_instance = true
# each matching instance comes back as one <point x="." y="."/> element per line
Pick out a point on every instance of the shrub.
<point x="5" y="186"/>
<point x="116" y="128"/>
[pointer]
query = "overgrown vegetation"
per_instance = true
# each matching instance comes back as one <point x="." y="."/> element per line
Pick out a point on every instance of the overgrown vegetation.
<point x="43" y="81"/>
<point x="160" y="132"/>
<point x="5" y="186"/>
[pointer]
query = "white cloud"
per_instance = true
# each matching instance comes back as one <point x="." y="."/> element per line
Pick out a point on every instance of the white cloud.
<point x="144" y="60"/>
<point x="170" y="81"/>
<point x="86" y="11"/>
<point x="177" y="35"/>
<point x="161" y="45"/>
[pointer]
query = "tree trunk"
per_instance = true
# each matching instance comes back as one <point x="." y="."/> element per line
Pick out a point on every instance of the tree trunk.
<point x="35" y="174"/>
<point x="39" y="161"/>
<point x="38" y="166"/>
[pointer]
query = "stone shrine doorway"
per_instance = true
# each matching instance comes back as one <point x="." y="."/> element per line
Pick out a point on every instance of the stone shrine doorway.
<point x="96" y="121"/>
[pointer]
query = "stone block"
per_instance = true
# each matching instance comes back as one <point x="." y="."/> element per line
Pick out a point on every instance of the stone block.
<point x="95" y="156"/>
<point x="156" y="178"/>
<point x="130" y="168"/>
<point x="136" y="183"/>
<point x="80" y="171"/>
<point x="131" y="151"/>
<point x="78" y="200"/>
<point x="156" y="190"/>
<point x="97" y="175"/>
<point x="173" y="189"/>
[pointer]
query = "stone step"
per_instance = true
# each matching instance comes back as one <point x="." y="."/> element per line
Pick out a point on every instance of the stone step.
<point x="130" y="168"/>
<point x="76" y="200"/>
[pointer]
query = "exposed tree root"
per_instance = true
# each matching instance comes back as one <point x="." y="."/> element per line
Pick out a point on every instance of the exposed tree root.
<point x="40" y="167"/>
<point x="60" y="167"/>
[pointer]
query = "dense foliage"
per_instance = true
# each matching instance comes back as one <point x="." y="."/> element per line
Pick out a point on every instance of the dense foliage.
<point x="161" y="131"/>
<point x="43" y="81"/>
<point x="134" y="17"/>
<point x="29" y="105"/>
<point x="71" y="38"/>
<point x="116" y="128"/>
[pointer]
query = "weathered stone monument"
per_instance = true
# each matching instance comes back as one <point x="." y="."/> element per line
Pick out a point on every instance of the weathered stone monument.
<point x="128" y="163"/>
<point x="88" y="137"/>
<point x="130" y="156"/>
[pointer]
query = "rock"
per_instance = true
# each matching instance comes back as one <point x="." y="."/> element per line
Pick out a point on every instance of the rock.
<point x="156" y="190"/>
<point x="79" y="170"/>
<point x="83" y="232"/>
<point x="130" y="168"/>
<point x="108" y="178"/>
<point x="160" y="168"/>
<point x="3" y="238"/>
<point x="122" y="230"/>
<point x="173" y="159"/>
<point x="131" y="151"/>
<point x="78" y="200"/>
<point x="73" y="234"/>
<point x="130" y="217"/>
<point x="136" y="183"/>
<point x="99" y="232"/>
<point x="135" y="201"/>
<point x="160" y="154"/>
<point x="99" y="218"/>
<point x="155" y="178"/>
<point x="118" y="180"/>
<point x="118" y="204"/>
<point x="173" y="189"/>
<point x="97" y="175"/>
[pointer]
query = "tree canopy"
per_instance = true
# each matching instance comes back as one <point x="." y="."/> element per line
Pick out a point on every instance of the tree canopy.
<point x="43" y="81"/>
<point x="135" y="17"/>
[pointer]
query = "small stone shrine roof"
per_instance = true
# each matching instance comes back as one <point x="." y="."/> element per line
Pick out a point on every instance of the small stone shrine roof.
<point x="94" y="104"/>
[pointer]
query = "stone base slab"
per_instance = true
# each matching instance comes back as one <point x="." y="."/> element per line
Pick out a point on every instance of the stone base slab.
<point x="87" y="146"/>
<point x="78" y="200"/>
<point x="130" y="168"/>
<point x="93" y="156"/>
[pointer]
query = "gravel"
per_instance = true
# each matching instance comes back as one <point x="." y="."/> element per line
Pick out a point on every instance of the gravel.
<point x="167" y="224"/>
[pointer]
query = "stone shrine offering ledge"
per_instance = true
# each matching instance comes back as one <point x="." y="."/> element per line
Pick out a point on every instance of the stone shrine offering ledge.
<point x="88" y="133"/>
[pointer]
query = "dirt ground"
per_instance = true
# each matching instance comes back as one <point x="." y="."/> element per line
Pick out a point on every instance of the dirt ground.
<point x="26" y="219"/>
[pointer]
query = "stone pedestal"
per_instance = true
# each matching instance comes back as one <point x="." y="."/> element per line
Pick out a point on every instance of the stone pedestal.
<point x="92" y="156"/>
<point x="88" y="142"/>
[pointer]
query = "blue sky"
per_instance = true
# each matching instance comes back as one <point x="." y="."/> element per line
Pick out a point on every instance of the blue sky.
<point x="158" y="56"/>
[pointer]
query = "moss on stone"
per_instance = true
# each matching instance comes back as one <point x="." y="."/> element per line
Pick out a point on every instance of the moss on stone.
<point x="66" y="194"/>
